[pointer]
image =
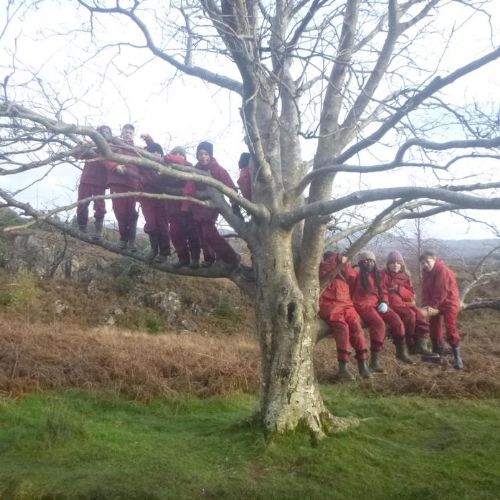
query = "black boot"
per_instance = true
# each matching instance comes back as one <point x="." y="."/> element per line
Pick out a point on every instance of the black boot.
<point x="155" y="246"/>
<point x="375" y="362"/>
<point x="364" y="371"/>
<point x="195" y="264"/>
<point x="422" y="348"/>
<point x="458" y="363"/>
<point x="344" y="375"/>
<point x="98" y="223"/>
<point x="402" y="354"/>
<point x="82" y="228"/>
<point x="131" y="236"/>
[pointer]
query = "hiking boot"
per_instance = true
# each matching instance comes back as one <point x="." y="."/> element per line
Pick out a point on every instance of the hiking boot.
<point x="162" y="259"/>
<point x="206" y="263"/>
<point x="375" y="362"/>
<point x="153" y="251"/>
<point x="364" y="371"/>
<point x="402" y="354"/>
<point x="82" y="228"/>
<point x="179" y="264"/>
<point x="422" y="348"/>
<point x="344" y="375"/>
<point x="131" y="237"/>
<point x="195" y="264"/>
<point x="98" y="223"/>
<point x="122" y="245"/>
<point x="458" y="363"/>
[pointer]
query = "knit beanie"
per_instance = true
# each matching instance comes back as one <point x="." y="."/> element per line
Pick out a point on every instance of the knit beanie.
<point x="366" y="255"/>
<point x="207" y="146"/>
<point x="244" y="160"/>
<point x="154" y="147"/>
<point x="178" y="150"/>
<point x="395" y="256"/>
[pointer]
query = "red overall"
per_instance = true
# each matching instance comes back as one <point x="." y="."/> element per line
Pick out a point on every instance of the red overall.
<point x="402" y="301"/>
<point x="155" y="211"/>
<point x="366" y="302"/>
<point x="124" y="208"/>
<point x="337" y="310"/>
<point x="182" y="226"/>
<point x="93" y="182"/>
<point x="440" y="291"/>
<point x="215" y="247"/>
<point x="245" y="183"/>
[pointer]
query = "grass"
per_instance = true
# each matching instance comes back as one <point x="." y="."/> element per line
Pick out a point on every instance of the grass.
<point x="78" y="445"/>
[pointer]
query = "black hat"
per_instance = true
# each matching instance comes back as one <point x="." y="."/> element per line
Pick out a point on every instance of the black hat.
<point x="154" y="147"/>
<point x="244" y="160"/>
<point x="207" y="146"/>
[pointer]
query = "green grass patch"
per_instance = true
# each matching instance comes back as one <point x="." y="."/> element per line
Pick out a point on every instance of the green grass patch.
<point x="77" y="445"/>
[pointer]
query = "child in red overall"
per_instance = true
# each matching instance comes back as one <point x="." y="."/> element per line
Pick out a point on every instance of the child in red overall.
<point x="337" y="310"/>
<point x="398" y="283"/>
<point x="125" y="179"/>
<point x="370" y="299"/>
<point x="182" y="226"/>
<point x="155" y="211"/>
<point x="441" y="301"/>
<point x="93" y="182"/>
<point x="215" y="247"/>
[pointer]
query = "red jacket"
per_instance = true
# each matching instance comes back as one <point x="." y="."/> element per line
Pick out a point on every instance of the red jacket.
<point x="245" y="183"/>
<point x="337" y="294"/>
<point x="199" y="212"/>
<point x="94" y="171"/>
<point x="367" y="298"/>
<point x="439" y="287"/>
<point x="130" y="179"/>
<point x="400" y="288"/>
<point x="174" y="207"/>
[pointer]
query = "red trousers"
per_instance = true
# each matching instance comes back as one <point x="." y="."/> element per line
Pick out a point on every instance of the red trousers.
<point x="185" y="237"/>
<point x="86" y="190"/>
<point x="414" y="322"/>
<point x="452" y="332"/>
<point x="376" y="325"/>
<point x="125" y="212"/>
<point x="346" y="329"/>
<point x="156" y="217"/>
<point x="214" y="246"/>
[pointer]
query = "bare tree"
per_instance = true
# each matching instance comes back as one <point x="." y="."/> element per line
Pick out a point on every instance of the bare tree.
<point x="347" y="75"/>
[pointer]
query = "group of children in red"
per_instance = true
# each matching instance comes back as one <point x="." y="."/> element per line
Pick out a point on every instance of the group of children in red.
<point x="383" y="298"/>
<point x="191" y="228"/>
<point x="378" y="298"/>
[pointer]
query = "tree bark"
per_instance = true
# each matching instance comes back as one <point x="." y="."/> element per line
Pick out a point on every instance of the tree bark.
<point x="288" y="327"/>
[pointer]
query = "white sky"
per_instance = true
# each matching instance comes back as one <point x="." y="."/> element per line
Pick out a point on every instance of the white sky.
<point x="187" y="110"/>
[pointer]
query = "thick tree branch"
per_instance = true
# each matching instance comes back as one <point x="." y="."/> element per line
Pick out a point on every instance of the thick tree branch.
<point x="413" y="102"/>
<point x="398" y="161"/>
<point x="448" y="195"/>
<point x="202" y="73"/>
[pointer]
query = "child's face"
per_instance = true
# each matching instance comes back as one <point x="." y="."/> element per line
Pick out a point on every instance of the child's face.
<point x="367" y="265"/>
<point x="127" y="134"/>
<point x="106" y="133"/>
<point x="394" y="267"/>
<point x="203" y="157"/>
<point x="428" y="264"/>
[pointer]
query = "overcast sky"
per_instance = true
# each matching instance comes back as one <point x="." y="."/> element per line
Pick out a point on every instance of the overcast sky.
<point x="185" y="110"/>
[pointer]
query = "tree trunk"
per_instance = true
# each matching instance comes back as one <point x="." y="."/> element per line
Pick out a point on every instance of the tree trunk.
<point x="287" y="323"/>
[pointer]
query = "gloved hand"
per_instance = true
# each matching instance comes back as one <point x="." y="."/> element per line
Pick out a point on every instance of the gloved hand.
<point x="147" y="138"/>
<point x="237" y="211"/>
<point x="382" y="308"/>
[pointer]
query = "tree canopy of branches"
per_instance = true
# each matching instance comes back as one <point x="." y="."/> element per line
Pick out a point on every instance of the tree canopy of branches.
<point x="354" y="82"/>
